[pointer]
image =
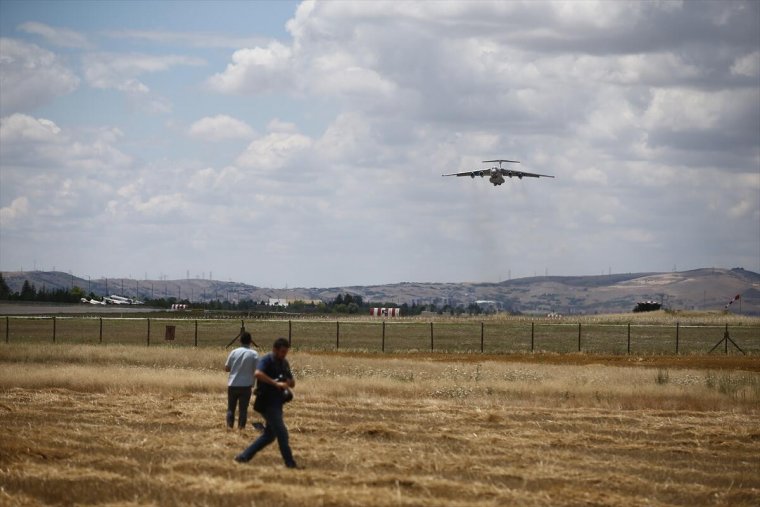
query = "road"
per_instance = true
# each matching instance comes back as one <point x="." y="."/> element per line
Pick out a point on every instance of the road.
<point x="27" y="308"/>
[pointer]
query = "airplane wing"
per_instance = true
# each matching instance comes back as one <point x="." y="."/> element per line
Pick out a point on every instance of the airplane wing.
<point x="520" y="174"/>
<point x="485" y="172"/>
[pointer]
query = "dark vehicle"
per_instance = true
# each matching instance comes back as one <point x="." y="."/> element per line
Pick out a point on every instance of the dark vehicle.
<point x="647" y="306"/>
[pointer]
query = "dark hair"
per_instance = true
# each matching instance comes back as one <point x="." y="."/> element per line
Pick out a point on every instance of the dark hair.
<point x="245" y="338"/>
<point x="281" y="342"/>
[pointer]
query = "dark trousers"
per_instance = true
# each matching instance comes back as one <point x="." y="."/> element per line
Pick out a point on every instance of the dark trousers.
<point x="240" y="397"/>
<point x="274" y="430"/>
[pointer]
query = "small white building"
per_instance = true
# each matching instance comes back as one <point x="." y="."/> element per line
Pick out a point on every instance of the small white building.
<point x="278" y="302"/>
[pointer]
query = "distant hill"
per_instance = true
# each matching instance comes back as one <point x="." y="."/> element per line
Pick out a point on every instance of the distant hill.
<point x="700" y="289"/>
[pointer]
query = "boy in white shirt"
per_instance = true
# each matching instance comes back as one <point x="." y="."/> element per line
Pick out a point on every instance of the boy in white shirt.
<point x="241" y="363"/>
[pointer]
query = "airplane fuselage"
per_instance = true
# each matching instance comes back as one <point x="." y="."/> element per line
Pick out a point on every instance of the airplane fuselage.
<point x="496" y="178"/>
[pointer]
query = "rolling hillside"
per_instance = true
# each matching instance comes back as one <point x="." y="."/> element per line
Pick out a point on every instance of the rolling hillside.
<point x="701" y="289"/>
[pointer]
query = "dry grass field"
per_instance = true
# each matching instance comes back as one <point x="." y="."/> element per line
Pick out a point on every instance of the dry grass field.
<point x="130" y="425"/>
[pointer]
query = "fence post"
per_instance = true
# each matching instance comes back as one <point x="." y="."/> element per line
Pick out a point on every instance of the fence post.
<point x="629" y="338"/>
<point x="382" y="345"/>
<point x="482" y="336"/>
<point x="53" y="329"/>
<point x="7" y="329"/>
<point x="148" y="339"/>
<point x="579" y="336"/>
<point x="337" y="335"/>
<point x="532" y="325"/>
<point x="290" y="332"/>
<point x="432" y="348"/>
<point x="100" y="335"/>
<point x="196" y="333"/>
<point x="726" y="340"/>
<point x="678" y="325"/>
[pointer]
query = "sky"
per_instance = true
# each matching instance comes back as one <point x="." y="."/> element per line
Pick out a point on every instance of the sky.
<point x="302" y="144"/>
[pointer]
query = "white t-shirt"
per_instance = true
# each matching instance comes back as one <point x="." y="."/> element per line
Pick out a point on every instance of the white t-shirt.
<point x="242" y="363"/>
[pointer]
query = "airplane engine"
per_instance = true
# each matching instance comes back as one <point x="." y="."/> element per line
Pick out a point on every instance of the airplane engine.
<point x="472" y="176"/>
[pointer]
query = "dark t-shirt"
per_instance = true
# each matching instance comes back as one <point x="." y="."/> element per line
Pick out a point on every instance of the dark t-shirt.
<point x="276" y="370"/>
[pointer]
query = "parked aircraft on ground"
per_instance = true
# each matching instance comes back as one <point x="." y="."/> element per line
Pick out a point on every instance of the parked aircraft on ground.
<point x="92" y="301"/>
<point x="121" y="300"/>
<point x="112" y="300"/>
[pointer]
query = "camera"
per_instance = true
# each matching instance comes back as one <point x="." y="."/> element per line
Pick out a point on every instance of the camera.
<point x="287" y="394"/>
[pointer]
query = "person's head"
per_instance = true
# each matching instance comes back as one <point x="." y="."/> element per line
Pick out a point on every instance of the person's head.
<point x="280" y="348"/>
<point x="245" y="339"/>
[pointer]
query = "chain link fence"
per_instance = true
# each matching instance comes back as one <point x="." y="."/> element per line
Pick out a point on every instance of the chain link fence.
<point x="392" y="336"/>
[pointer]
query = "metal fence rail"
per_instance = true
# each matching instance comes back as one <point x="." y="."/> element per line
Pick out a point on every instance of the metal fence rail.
<point x="394" y="336"/>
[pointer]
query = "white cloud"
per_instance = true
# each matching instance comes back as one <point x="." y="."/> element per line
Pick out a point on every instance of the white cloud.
<point x="65" y="176"/>
<point x="58" y="36"/>
<point x="590" y="175"/>
<point x="210" y="180"/>
<point x="682" y="109"/>
<point x="20" y="128"/>
<point x="741" y="208"/>
<point x="31" y="76"/>
<point x="161" y="204"/>
<point x="747" y="65"/>
<point x="276" y="150"/>
<point x="220" y="127"/>
<point x="190" y="39"/>
<point x="17" y="209"/>
<point x="36" y="144"/>
<point x="261" y="69"/>
<point x="121" y="71"/>
<point x="636" y="235"/>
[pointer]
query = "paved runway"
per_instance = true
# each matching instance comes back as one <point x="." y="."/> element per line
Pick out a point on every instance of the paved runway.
<point x="26" y="308"/>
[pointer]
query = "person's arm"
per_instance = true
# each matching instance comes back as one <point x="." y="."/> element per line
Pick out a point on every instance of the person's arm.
<point x="266" y="379"/>
<point x="255" y="365"/>
<point x="227" y="363"/>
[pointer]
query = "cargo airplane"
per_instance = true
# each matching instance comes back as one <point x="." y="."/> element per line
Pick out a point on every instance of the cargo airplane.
<point x="496" y="174"/>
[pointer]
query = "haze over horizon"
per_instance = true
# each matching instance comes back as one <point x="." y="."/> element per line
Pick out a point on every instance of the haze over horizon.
<point x="302" y="143"/>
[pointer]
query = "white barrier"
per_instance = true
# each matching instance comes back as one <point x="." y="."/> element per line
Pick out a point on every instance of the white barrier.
<point x="385" y="312"/>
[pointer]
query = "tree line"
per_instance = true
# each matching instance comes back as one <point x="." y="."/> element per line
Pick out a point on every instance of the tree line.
<point x="29" y="292"/>
<point x="347" y="304"/>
